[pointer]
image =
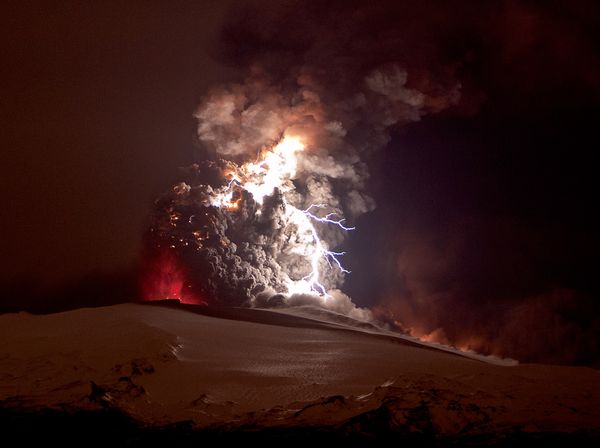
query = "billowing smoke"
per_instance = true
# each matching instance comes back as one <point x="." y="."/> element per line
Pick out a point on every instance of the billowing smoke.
<point x="263" y="218"/>
<point x="271" y="209"/>
<point x="477" y="239"/>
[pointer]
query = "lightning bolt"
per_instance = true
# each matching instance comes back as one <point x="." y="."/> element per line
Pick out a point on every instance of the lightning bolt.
<point x="305" y="219"/>
<point x="260" y="178"/>
<point x="327" y="218"/>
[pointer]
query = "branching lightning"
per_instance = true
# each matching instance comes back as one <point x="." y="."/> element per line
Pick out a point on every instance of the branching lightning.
<point x="275" y="169"/>
<point x="320" y="250"/>
<point x="327" y="218"/>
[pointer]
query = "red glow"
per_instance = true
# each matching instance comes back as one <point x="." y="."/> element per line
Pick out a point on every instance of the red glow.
<point x="164" y="278"/>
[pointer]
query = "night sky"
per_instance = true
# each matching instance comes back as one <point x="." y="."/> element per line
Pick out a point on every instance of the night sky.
<point x="485" y="231"/>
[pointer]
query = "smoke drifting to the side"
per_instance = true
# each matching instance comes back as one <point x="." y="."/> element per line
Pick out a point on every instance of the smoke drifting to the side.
<point x="442" y="289"/>
<point x="264" y="218"/>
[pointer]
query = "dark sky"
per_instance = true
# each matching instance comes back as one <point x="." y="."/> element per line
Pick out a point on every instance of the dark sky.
<point x="486" y="209"/>
<point x="96" y="114"/>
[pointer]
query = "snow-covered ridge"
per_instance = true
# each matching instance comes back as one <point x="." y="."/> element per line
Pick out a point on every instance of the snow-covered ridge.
<point x="273" y="368"/>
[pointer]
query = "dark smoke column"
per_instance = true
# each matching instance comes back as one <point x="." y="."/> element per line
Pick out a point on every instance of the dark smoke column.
<point x="268" y="219"/>
<point x="258" y="220"/>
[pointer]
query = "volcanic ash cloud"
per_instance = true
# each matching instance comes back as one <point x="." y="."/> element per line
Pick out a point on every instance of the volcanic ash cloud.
<point x="264" y="217"/>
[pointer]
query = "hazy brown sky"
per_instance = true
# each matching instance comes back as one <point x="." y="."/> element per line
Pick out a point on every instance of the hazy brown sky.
<point x="96" y="114"/>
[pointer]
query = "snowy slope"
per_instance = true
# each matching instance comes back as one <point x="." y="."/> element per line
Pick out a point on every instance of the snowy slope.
<point x="275" y="368"/>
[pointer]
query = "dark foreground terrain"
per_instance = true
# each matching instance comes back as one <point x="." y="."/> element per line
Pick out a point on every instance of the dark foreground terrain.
<point x="112" y="428"/>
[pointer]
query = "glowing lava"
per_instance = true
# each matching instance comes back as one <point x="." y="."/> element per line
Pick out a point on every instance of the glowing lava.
<point x="165" y="279"/>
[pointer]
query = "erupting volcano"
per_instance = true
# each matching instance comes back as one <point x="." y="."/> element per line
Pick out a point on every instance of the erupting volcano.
<point x="360" y="222"/>
<point x="262" y="218"/>
<point x="251" y="222"/>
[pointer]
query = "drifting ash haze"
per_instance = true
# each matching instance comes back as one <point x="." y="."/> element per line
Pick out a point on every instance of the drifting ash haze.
<point x="263" y="221"/>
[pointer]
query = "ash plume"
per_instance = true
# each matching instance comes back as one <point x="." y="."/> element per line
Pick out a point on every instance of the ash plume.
<point x="515" y="78"/>
<point x="267" y="211"/>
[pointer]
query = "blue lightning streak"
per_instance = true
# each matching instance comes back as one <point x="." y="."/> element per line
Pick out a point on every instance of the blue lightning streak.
<point x="305" y="219"/>
<point x="320" y="250"/>
<point x="327" y="218"/>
